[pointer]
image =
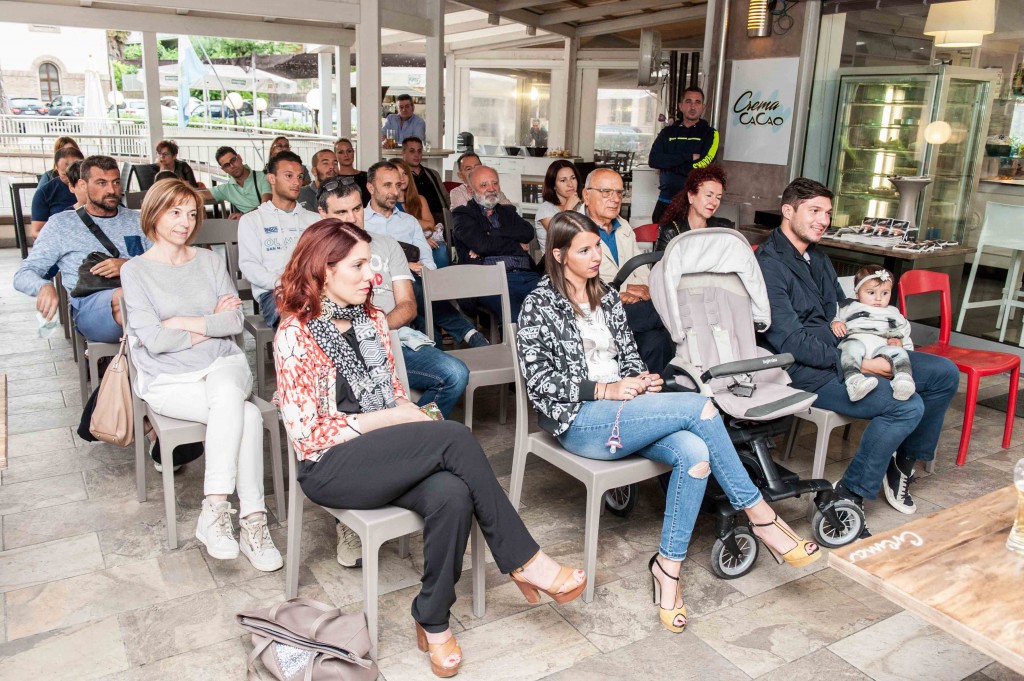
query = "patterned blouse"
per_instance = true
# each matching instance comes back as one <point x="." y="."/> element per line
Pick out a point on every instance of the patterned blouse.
<point x="307" y="388"/>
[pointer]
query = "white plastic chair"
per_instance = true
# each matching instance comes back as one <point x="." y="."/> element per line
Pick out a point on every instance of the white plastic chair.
<point x="374" y="527"/>
<point x="1001" y="228"/>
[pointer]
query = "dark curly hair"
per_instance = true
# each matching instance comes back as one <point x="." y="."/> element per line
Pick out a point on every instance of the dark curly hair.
<point x="680" y="203"/>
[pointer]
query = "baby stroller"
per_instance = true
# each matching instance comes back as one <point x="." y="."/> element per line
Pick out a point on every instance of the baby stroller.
<point x="708" y="290"/>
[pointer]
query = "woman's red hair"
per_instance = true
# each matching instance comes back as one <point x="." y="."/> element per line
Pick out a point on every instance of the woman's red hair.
<point x="680" y="204"/>
<point x="322" y="245"/>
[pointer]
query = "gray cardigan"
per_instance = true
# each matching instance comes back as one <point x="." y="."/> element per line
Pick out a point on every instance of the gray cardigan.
<point x="155" y="291"/>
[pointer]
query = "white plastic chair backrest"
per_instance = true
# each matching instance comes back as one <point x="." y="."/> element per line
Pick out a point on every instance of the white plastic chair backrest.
<point x="512" y="186"/>
<point x="466" y="281"/>
<point x="396" y="350"/>
<point x="1002" y="226"/>
<point x="846" y="283"/>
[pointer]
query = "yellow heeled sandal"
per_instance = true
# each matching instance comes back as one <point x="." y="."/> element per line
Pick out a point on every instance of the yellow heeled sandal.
<point x="439" y="653"/>
<point x="673" y="620"/>
<point x="799" y="555"/>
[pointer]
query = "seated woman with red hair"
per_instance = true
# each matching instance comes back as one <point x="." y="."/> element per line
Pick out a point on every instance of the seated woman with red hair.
<point x="694" y="207"/>
<point x="362" y="444"/>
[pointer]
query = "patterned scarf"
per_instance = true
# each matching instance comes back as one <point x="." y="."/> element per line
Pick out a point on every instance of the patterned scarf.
<point x="369" y="377"/>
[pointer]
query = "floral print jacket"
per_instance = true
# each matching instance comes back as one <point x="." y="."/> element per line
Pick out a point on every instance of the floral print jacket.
<point x="552" y="359"/>
<point x="307" y="388"/>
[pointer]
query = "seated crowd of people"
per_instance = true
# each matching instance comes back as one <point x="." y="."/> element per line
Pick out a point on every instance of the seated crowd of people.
<point x="336" y="258"/>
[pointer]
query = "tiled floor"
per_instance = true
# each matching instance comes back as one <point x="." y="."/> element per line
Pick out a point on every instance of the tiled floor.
<point x="88" y="589"/>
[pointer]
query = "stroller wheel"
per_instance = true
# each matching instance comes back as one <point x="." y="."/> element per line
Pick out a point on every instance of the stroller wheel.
<point x="832" y="535"/>
<point x="728" y="565"/>
<point x="622" y="500"/>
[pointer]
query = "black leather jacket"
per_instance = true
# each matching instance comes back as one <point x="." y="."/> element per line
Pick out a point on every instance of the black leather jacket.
<point x="671" y="230"/>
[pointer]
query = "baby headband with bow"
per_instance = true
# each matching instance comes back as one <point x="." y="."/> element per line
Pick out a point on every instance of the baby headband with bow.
<point x="880" y="275"/>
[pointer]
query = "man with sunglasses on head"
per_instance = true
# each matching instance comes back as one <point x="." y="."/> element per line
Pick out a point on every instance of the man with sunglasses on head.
<point x="267" y="235"/>
<point x="249" y="187"/>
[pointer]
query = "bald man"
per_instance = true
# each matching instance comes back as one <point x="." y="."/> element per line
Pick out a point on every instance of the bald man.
<point x="602" y="200"/>
<point x="487" y="233"/>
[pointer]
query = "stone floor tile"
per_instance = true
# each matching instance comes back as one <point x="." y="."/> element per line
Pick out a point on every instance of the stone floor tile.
<point x="662" y="655"/>
<point x="66" y="520"/>
<point x="961" y="483"/>
<point x="40" y="356"/>
<point x="36" y="494"/>
<point x="64" y="461"/>
<point x="77" y="653"/>
<point x="45" y="420"/>
<point x="27" y="404"/>
<point x="24" y="345"/>
<point x="134" y="542"/>
<point x="50" y="562"/>
<point x="108" y="592"/>
<point x="39" y="441"/>
<point x="345" y="585"/>
<point x="488" y="650"/>
<point x="821" y="664"/>
<point x="222" y="660"/>
<point x="881" y="605"/>
<point x="776" y="627"/>
<point x="903" y="648"/>
<point x="26" y="375"/>
<point x="396" y="630"/>
<point x="998" y="672"/>
<point x="1004" y="459"/>
<point x="194" y="621"/>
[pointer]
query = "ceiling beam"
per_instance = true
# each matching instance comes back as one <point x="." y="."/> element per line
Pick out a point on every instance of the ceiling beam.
<point x="409" y="23"/>
<point x="491" y="32"/>
<point x="252" y="28"/>
<point x="307" y="10"/>
<point x="519" y="16"/>
<point x="603" y="10"/>
<point x="668" y="16"/>
<point x="507" y="5"/>
<point x="490" y="45"/>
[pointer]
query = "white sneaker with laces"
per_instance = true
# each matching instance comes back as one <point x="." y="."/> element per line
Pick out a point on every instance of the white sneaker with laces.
<point x="256" y="544"/>
<point x="215" y="531"/>
<point x="350" y="549"/>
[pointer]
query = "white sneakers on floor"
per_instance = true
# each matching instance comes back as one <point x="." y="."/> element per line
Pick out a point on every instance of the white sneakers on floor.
<point x="350" y="549"/>
<point x="214" y="530"/>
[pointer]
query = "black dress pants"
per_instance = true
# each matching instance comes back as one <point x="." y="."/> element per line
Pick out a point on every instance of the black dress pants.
<point x="438" y="470"/>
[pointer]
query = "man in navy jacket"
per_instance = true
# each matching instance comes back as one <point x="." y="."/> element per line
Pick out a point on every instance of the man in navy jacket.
<point x="679" y="148"/>
<point x="804" y="294"/>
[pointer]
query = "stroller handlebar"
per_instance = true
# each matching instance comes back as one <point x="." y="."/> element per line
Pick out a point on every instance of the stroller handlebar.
<point x="749" y="366"/>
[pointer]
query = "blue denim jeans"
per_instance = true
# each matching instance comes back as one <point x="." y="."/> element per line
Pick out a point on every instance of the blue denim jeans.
<point x="439" y="376"/>
<point x="268" y="309"/>
<point x="667" y="427"/>
<point x="910" y="428"/>
<point x="95" y="318"/>
<point x="520" y="285"/>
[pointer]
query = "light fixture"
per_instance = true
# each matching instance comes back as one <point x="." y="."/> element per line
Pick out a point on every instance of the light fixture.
<point x="234" y="101"/>
<point x="960" y="24"/>
<point x="759" y="21"/>
<point x="313" y="99"/>
<point x="259" y="104"/>
<point x="534" y="95"/>
<point x="937" y="132"/>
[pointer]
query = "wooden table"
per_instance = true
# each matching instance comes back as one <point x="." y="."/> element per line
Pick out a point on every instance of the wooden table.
<point x="952" y="569"/>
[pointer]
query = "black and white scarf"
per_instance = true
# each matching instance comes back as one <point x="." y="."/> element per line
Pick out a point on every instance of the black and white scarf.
<point x="369" y="377"/>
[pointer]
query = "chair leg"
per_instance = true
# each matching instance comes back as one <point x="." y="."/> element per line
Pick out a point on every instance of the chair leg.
<point x="261" y="368"/>
<point x="846" y="431"/>
<point x="515" y="485"/>
<point x="1011" y="407"/>
<point x="503" y="404"/>
<point x="791" y="439"/>
<point x="170" y="507"/>
<point x="291" y="588"/>
<point x="969" y="409"/>
<point x="967" y="291"/>
<point x="370" y="568"/>
<point x="94" y="371"/>
<point x="140" y="456"/>
<point x="468" y="397"/>
<point x="595" y="500"/>
<point x="272" y="427"/>
<point x="820" y="454"/>
<point x="1006" y="304"/>
<point x="403" y="546"/>
<point x="479" y="570"/>
<point x="83" y="367"/>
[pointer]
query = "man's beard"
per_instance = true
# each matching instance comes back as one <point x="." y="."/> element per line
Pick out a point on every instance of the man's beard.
<point x="488" y="200"/>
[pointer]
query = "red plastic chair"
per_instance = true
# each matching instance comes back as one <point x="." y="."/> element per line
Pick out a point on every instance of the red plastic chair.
<point x="974" y="363"/>
<point x="449" y="186"/>
<point x="646" y="233"/>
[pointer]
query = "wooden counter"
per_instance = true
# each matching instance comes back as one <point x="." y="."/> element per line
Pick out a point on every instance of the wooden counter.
<point x="952" y="569"/>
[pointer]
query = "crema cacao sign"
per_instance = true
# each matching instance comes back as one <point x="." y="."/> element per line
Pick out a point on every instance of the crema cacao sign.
<point x="759" y="120"/>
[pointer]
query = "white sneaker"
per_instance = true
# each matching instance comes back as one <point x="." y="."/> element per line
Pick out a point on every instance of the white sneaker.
<point x="858" y="386"/>
<point x="215" y="531"/>
<point x="350" y="549"/>
<point x="160" y="469"/>
<point x="903" y="387"/>
<point x="256" y="544"/>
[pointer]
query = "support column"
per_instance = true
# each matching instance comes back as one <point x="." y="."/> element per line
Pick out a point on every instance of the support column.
<point x="564" y="129"/>
<point x="368" y="82"/>
<point x="451" y="91"/>
<point x="435" y="73"/>
<point x="343" y="89"/>
<point x="151" y="89"/>
<point x="323" y="62"/>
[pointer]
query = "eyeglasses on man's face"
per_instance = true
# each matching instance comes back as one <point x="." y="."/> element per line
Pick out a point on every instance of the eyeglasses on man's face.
<point x="230" y="162"/>
<point x="607" y="193"/>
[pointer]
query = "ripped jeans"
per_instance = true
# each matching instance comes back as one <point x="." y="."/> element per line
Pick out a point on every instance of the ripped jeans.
<point x="670" y="428"/>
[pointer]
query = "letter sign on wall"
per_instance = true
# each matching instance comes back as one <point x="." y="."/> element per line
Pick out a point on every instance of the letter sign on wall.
<point x="759" y="117"/>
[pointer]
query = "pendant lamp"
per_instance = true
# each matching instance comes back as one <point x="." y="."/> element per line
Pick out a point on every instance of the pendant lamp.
<point x="960" y="24"/>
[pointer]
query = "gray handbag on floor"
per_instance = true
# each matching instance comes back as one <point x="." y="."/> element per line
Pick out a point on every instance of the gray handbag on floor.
<point x="306" y="640"/>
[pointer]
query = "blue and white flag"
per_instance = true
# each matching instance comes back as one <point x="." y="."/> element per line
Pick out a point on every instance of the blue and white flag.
<point x="190" y="70"/>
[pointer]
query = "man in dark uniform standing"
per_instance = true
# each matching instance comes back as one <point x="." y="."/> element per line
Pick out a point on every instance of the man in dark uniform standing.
<point x="686" y="144"/>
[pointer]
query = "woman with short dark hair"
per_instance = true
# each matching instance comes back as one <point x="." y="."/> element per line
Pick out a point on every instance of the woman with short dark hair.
<point x="362" y="444"/>
<point x="561" y="192"/>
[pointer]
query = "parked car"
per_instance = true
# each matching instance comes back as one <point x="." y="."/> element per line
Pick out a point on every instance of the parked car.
<point x="292" y="112"/>
<point x="28" y="106"/>
<point x="219" y="110"/>
<point x="193" y="108"/>
<point x="137" y="108"/>
<point x="68" y="105"/>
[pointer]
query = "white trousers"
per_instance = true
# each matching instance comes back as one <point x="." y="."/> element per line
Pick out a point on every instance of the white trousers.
<point x="218" y="396"/>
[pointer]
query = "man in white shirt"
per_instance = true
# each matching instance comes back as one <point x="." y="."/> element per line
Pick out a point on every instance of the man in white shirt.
<point x="461" y="195"/>
<point x="381" y="218"/>
<point x="267" y="235"/>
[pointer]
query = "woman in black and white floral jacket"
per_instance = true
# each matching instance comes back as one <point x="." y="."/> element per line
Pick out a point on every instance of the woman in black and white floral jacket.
<point x="592" y="391"/>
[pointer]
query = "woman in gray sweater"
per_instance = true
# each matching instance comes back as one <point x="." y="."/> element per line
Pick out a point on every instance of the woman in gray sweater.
<point x="183" y="310"/>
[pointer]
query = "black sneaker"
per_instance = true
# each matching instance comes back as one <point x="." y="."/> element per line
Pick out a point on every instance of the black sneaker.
<point x="896" y="485"/>
<point x="844" y="493"/>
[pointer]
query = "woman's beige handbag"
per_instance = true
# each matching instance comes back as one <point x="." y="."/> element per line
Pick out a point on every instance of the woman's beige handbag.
<point x="112" y="419"/>
<point x="305" y="640"/>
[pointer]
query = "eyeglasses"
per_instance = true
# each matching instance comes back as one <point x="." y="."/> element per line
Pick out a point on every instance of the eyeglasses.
<point x="227" y="164"/>
<point x="165" y="154"/>
<point x="607" y="193"/>
<point x="334" y="183"/>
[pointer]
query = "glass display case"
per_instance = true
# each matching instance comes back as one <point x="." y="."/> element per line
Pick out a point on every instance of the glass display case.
<point x="881" y="119"/>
